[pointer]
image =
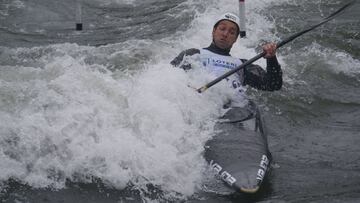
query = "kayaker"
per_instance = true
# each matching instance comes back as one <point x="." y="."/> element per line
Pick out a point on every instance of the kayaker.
<point x="249" y="140"/>
<point x="217" y="59"/>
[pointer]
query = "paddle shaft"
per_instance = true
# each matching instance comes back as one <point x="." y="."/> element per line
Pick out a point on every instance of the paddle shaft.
<point x="278" y="45"/>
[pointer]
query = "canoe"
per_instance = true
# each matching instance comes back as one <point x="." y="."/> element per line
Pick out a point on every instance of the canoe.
<point x="238" y="154"/>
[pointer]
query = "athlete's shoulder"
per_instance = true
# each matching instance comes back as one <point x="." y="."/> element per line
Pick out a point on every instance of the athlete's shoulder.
<point x="190" y="52"/>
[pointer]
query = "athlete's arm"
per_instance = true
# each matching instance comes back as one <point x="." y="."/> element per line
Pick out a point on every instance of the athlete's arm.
<point x="179" y="60"/>
<point x="269" y="80"/>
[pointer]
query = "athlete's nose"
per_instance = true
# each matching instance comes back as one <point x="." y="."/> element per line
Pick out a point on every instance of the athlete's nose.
<point x="225" y="33"/>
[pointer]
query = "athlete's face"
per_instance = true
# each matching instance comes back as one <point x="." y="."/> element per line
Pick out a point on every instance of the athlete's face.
<point x="225" y="34"/>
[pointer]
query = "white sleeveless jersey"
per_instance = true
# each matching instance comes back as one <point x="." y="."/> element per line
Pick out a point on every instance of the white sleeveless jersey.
<point x="220" y="64"/>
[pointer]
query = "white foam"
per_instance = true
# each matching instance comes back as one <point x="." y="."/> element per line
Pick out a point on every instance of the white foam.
<point x="72" y="120"/>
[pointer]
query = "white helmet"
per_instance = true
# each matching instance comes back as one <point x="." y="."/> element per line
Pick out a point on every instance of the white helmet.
<point x="231" y="17"/>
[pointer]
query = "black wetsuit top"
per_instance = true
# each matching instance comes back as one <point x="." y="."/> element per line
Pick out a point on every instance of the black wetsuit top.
<point x="253" y="75"/>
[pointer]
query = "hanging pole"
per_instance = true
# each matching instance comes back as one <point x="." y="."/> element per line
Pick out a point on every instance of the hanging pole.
<point x="242" y="18"/>
<point x="78" y="15"/>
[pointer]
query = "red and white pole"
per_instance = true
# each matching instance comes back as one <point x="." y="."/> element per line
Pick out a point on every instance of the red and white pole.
<point x="78" y="15"/>
<point x="242" y="18"/>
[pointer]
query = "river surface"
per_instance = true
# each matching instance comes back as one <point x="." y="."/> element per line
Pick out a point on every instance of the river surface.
<point x="100" y="115"/>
